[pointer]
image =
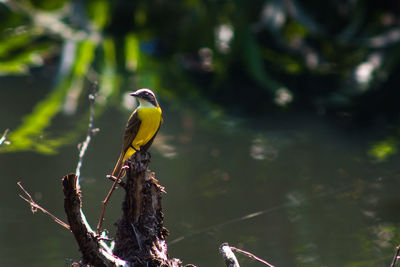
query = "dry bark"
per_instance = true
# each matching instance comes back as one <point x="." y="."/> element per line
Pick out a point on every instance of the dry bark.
<point x="93" y="253"/>
<point x="140" y="236"/>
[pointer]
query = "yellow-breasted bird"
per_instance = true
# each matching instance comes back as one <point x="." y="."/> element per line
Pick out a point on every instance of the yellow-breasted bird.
<point x="141" y="128"/>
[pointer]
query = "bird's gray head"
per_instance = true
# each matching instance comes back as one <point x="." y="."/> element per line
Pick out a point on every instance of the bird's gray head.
<point x="146" y="95"/>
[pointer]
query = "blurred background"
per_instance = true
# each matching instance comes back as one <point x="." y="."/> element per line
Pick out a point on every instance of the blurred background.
<point x="280" y="135"/>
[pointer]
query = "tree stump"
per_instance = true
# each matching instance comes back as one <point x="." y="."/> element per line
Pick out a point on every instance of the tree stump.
<point x="140" y="236"/>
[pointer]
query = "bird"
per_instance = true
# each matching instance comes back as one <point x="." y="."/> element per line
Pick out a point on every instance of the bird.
<point x="141" y="128"/>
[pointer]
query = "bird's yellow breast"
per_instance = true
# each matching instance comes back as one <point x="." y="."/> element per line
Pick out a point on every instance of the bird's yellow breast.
<point x="150" y="118"/>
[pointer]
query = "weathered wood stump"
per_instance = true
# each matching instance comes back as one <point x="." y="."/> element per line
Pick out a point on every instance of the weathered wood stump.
<point x="140" y="237"/>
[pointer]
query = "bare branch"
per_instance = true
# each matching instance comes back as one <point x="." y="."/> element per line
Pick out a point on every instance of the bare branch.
<point x="3" y="138"/>
<point x="252" y="256"/>
<point x="35" y="207"/>
<point x="91" y="246"/>
<point x="105" y="201"/>
<point x="228" y="255"/>
<point x="94" y="250"/>
<point x="91" y="131"/>
<point x="113" y="179"/>
<point x="396" y="256"/>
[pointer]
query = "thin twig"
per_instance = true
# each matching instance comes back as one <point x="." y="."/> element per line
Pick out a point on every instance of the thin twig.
<point x="3" y="138"/>
<point x="117" y="181"/>
<point x="252" y="256"/>
<point x="396" y="256"/>
<point x="91" y="131"/>
<point x="113" y="179"/>
<point x="35" y="207"/>
<point x="105" y="201"/>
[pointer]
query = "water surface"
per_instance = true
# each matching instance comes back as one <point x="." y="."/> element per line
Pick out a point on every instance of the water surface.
<point x="294" y="189"/>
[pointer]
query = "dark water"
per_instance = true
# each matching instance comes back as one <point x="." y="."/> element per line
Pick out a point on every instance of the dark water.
<point x="294" y="189"/>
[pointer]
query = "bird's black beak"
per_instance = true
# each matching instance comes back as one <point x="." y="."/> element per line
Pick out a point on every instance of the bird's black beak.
<point x="134" y="94"/>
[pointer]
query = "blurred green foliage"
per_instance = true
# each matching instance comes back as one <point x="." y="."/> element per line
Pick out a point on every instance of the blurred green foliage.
<point x="339" y="57"/>
<point x="29" y="134"/>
